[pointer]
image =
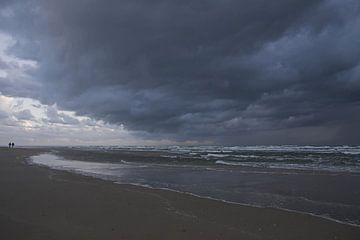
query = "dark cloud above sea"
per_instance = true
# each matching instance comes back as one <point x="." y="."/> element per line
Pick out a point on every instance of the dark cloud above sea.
<point x="228" y="72"/>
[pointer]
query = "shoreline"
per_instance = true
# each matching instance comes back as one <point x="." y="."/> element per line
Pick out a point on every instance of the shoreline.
<point x="198" y="217"/>
<point x="223" y="200"/>
<point x="232" y="203"/>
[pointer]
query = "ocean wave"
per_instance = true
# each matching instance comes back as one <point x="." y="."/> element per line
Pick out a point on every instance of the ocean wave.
<point x="328" y="158"/>
<point x="355" y="150"/>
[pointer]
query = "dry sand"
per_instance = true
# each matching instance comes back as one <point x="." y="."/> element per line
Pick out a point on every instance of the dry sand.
<point x="38" y="203"/>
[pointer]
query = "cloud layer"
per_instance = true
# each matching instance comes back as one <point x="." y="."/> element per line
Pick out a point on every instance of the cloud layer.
<point x="229" y="72"/>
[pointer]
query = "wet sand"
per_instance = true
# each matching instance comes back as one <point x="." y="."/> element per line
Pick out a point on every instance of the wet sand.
<point x="39" y="203"/>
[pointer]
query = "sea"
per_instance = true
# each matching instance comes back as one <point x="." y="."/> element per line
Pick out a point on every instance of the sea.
<point x="319" y="180"/>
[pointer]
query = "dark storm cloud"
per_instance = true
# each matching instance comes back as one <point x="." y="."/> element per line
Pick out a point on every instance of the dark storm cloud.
<point x="227" y="71"/>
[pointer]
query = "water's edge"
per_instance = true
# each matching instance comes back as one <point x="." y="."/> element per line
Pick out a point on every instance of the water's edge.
<point x="98" y="176"/>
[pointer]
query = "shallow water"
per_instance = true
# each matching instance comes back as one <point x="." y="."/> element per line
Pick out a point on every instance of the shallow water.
<point x="333" y="194"/>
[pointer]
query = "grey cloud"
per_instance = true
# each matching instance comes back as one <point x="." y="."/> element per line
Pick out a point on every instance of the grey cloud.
<point x="68" y="119"/>
<point x="24" y="115"/>
<point x="199" y="70"/>
<point x="53" y="116"/>
<point x="3" y="64"/>
<point x="36" y="105"/>
<point x="3" y="114"/>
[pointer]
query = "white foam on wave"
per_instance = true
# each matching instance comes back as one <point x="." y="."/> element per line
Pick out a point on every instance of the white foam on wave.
<point x="294" y="166"/>
<point x="217" y="155"/>
<point x="229" y="163"/>
<point x="247" y="156"/>
<point x="169" y="156"/>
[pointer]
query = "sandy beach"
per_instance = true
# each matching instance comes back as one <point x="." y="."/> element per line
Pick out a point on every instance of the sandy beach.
<point x="39" y="203"/>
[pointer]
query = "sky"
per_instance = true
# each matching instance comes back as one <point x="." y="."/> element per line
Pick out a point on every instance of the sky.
<point x="230" y="72"/>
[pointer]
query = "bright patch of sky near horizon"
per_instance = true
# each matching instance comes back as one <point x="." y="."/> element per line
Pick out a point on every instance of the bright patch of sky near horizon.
<point x="27" y="121"/>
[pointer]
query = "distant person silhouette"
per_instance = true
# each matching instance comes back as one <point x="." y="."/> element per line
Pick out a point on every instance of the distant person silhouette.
<point x="9" y="144"/>
<point x="12" y="145"/>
